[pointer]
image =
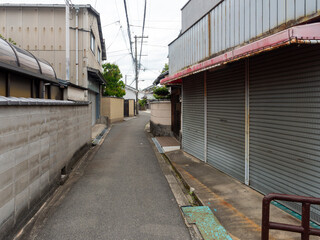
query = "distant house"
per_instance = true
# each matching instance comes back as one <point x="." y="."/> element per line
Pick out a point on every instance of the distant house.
<point x="130" y="92"/>
<point x="41" y="29"/>
<point x="249" y="73"/>
<point x="147" y="93"/>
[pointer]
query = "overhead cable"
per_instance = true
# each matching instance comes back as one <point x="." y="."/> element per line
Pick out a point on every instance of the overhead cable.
<point x="129" y="32"/>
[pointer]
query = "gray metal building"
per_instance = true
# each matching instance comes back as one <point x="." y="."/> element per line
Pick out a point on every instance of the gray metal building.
<point x="250" y="80"/>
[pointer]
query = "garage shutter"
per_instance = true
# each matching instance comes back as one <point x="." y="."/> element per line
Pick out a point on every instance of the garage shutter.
<point x="193" y="116"/>
<point x="285" y="123"/>
<point x="226" y="119"/>
<point x="93" y="100"/>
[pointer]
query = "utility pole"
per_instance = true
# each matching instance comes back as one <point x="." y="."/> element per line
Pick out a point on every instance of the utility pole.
<point x="136" y="69"/>
<point x="67" y="41"/>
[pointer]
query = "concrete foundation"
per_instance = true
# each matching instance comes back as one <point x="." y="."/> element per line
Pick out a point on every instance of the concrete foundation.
<point x="160" y="130"/>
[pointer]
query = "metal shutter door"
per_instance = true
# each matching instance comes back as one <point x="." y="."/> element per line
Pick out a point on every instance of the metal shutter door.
<point x="285" y="123"/>
<point x="226" y="120"/>
<point x="193" y="116"/>
<point x="92" y="99"/>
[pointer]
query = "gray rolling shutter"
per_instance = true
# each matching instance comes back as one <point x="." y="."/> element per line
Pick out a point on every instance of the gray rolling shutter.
<point x="226" y="119"/>
<point x="193" y="116"/>
<point x="92" y="98"/>
<point x="285" y="123"/>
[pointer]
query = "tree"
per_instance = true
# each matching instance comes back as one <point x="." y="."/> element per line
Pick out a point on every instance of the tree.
<point x="165" y="68"/>
<point x="114" y="86"/>
<point x="9" y="40"/>
<point x="161" y="92"/>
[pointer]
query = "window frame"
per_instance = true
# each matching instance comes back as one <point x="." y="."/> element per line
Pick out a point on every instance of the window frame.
<point x="99" y="55"/>
<point x="92" y="42"/>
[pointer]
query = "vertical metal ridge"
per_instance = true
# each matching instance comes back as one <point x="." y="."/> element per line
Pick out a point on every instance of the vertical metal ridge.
<point x="247" y="123"/>
<point x="205" y="118"/>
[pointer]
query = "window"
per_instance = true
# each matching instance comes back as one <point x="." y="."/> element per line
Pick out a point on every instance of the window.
<point x="92" y="43"/>
<point x="99" y="55"/>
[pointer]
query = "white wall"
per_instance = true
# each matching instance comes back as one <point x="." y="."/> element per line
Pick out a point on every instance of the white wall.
<point x="129" y="94"/>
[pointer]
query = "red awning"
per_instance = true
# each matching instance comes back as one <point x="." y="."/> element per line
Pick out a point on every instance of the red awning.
<point x="309" y="33"/>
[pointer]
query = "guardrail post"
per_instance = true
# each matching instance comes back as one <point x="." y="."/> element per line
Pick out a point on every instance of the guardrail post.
<point x="305" y="221"/>
<point x="265" y="219"/>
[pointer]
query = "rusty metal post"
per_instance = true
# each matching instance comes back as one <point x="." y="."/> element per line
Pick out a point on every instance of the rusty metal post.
<point x="305" y="221"/>
<point x="265" y="218"/>
<point x="304" y="229"/>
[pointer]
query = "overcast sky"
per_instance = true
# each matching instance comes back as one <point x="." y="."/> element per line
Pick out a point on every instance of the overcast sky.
<point x="163" y="23"/>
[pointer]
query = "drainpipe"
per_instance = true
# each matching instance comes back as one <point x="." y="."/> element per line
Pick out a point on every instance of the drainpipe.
<point x="67" y="43"/>
<point x="77" y="47"/>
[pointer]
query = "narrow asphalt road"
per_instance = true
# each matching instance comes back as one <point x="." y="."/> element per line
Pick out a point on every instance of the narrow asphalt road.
<point x="121" y="195"/>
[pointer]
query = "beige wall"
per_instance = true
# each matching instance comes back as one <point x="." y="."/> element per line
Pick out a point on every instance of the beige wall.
<point x="161" y="112"/>
<point x="76" y="94"/>
<point x="2" y="84"/>
<point x="41" y="30"/>
<point x="113" y="108"/>
<point x="20" y="87"/>
<point x="36" y="142"/>
<point x="131" y="108"/>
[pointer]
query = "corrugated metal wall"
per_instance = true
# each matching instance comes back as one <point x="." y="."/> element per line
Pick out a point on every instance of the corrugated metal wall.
<point x="285" y="122"/>
<point x="193" y="116"/>
<point x="226" y="119"/>
<point x="234" y="22"/>
<point x="194" y="45"/>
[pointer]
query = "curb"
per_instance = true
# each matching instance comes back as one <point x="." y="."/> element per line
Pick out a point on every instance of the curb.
<point x="185" y="183"/>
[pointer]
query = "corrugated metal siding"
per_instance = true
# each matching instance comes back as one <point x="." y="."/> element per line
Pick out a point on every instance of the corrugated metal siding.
<point x="234" y="22"/>
<point x="193" y="116"/>
<point x="226" y="119"/>
<point x="192" y="47"/>
<point x="285" y="123"/>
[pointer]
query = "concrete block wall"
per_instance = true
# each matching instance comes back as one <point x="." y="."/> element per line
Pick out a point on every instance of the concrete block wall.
<point x="113" y="108"/>
<point x="36" y="142"/>
<point x="160" y="121"/>
<point x="131" y="108"/>
<point x="161" y="112"/>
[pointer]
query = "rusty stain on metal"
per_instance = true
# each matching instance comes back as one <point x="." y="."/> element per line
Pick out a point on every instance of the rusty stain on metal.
<point x="304" y="229"/>
<point x="208" y="225"/>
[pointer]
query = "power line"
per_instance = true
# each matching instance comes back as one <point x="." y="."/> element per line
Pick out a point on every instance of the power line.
<point x="119" y="51"/>
<point x="155" y="27"/>
<point x="111" y="23"/>
<point x="129" y="32"/>
<point x="143" y="25"/>
<point x="114" y="38"/>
